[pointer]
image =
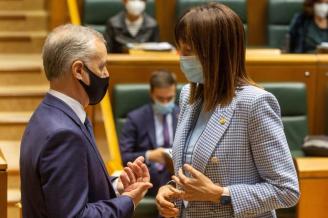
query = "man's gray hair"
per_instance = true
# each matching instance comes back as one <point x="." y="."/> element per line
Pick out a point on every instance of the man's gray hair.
<point x="64" y="45"/>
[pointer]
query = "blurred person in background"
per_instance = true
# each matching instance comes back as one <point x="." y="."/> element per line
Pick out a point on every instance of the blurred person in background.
<point x="309" y="28"/>
<point x="133" y="25"/>
<point x="150" y="129"/>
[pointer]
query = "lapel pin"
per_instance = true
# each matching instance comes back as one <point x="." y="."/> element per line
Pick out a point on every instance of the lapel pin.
<point x="222" y="121"/>
<point x="214" y="160"/>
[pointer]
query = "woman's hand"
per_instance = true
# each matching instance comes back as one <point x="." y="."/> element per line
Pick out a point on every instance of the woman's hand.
<point x="165" y="196"/>
<point x="197" y="188"/>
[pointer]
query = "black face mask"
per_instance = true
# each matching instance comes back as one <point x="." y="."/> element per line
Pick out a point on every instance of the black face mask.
<point x="97" y="88"/>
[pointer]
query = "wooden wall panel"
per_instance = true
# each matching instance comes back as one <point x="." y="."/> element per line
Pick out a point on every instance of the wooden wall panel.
<point x="58" y="13"/>
<point x="322" y="95"/>
<point x="166" y="18"/>
<point x="313" y="179"/>
<point x="257" y="20"/>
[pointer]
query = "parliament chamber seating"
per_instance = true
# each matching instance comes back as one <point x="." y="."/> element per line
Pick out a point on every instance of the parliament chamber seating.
<point x="280" y="14"/>
<point x="293" y="103"/>
<point x="238" y="6"/>
<point x="97" y="12"/>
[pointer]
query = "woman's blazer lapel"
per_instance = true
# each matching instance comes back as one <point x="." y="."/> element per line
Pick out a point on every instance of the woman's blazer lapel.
<point x="185" y="124"/>
<point x="215" y="129"/>
<point x="213" y="133"/>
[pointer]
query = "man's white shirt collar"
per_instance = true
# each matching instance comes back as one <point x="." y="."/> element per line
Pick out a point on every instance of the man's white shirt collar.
<point x="72" y="103"/>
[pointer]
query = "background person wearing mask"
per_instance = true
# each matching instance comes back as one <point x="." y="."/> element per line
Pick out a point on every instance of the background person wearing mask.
<point x="309" y="28"/>
<point x="62" y="172"/>
<point x="150" y="128"/>
<point x="130" y="26"/>
<point x="230" y="153"/>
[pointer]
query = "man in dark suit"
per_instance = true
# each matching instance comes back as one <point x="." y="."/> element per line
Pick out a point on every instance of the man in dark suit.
<point x="150" y="128"/>
<point x="132" y="25"/>
<point x="62" y="172"/>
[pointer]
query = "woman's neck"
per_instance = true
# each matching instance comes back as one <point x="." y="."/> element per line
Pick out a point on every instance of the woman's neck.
<point x="322" y="23"/>
<point x="131" y="17"/>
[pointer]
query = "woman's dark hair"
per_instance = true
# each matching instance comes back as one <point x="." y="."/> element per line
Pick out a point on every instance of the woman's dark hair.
<point x="308" y="7"/>
<point x="216" y="35"/>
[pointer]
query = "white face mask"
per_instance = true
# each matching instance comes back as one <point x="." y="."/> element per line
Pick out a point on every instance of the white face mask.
<point x="321" y="9"/>
<point x="192" y="69"/>
<point x="136" y="7"/>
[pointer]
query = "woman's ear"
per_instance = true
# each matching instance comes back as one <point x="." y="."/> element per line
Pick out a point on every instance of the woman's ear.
<point x="77" y="69"/>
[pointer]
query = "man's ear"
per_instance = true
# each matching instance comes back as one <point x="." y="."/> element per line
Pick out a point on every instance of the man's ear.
<point x="77" y="69"/>
<point x="151" y="96"/>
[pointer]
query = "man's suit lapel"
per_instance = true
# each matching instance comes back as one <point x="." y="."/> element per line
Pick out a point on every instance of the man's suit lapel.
<point x="89" y="134"/>
<point x="215" y="129"/>
<point x="186" y="124"/>
<point x="56" y="102"/>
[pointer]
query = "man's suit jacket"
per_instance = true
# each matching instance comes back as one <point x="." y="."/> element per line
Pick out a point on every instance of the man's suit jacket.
<point x="244" y="148"/>
<point x="118" y="36"/>
<point x="138" y="136"/>
<point x="62" y="173"/>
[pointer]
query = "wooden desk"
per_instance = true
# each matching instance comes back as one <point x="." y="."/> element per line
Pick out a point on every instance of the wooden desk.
<point x="322" y="93"/>
<point x="313" y="177"/>
<point x="3" y="186"/>
<point x="263" y="67"/>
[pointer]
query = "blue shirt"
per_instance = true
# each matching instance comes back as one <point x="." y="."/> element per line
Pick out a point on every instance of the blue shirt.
<point x="195" y="133"/>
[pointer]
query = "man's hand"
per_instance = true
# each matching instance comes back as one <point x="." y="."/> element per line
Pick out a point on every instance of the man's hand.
<point x="134" y="180"/>
<point x="165" y="196"/>
<point x="157" y="155"/>
<point x="199" y="187"/>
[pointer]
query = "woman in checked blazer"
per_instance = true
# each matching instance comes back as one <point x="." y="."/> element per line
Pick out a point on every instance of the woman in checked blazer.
<point x="230" y="154"/>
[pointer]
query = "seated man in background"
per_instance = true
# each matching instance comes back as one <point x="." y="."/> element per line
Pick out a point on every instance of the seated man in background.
<point x="150" y="128"/>
<point x="130" y="26"/>
<point x="309" y="28"/>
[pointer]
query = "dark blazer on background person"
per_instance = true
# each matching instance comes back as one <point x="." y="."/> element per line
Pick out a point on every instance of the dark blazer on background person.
<point x="68" y="177"/>
<point x="117" y="34"/>
<point x="138" y="136"/>
<point x="298" y="36"/>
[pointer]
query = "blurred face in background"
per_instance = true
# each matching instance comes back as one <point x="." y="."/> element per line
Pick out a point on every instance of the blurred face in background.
<point x="164" y="95"/>
<point x="316" y="8"/>
<point x="320" y="8"/>
<point x="135" y="8"/>
<point x="163" y="99"/>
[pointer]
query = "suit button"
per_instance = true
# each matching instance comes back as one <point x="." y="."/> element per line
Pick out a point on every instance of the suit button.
<point x="214" y="160"/>
<point x="222" y="121"/>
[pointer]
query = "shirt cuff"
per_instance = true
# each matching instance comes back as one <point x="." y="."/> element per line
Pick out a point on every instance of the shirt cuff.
<point x="226" y="191"/>
<point x="147" y="157"/>
<point x="115" y="184"/>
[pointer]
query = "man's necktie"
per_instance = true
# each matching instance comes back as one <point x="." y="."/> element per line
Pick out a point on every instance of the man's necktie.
<point x="166" y="134"/>
<point x="88" y="126"/>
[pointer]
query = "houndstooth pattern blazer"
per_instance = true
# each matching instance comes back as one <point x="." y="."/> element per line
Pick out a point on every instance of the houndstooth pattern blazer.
<point x="244" y="148"/>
